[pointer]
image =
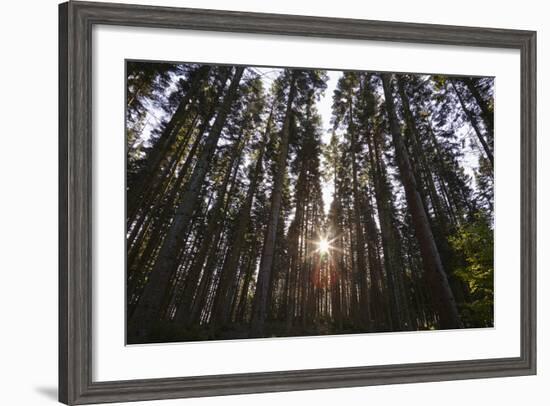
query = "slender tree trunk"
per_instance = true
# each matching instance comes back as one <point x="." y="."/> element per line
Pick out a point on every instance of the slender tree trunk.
<point x="229" y="271"/>
<point x="441" y="174"/>
<point x="486" y="115"/>
<point x="213" y="229"/>
<point x="297" y="238"/>
<point x="439" y="284"/>
<point x="441" y="231"/>
<point x="337" y="261"/>
<point x="474" y="125"/>
<point x="304" y="265"/>
<point x="243" y="301"/>
<point x="359" y="237"/>
<point x="356" y="310"/>
<point x="261" y="297"/>
<point x="210" y="279"/>
<point x="390" y="240"/>
<point x="420" y="155"/>
<point x="377" y="286"/>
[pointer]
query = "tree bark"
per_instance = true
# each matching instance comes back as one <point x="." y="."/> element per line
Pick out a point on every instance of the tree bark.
<point x="486" y="115"/>
<point x="441" y="291"/>
<point x="390" y="241"/>
<point x="261" y="296"/>
<point x="362" y="271"/>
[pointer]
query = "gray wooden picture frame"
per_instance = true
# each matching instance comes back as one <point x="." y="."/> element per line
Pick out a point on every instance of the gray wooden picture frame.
<point x="76" y="20"/>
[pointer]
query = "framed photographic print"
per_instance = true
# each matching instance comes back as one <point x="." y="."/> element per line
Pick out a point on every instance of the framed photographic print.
<point x="256" y="202"/>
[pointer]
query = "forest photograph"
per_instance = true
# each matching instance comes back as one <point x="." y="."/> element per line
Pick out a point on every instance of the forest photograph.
<point x="280" y="202"/>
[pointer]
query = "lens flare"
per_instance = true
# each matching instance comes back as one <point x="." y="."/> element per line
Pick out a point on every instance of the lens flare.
<point x="324" y="246"/>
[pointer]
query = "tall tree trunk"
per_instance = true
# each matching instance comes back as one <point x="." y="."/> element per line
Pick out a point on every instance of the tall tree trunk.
<point x="212" y="230"/>
<point x="390" y="240"/>
<point x="261" y="296"/>
<point x="296" y="237"/>
<point x="421" y="156"/>
<point x="210" y="279"/>
<point x="304" y="265"/>
<point x="338" y="267"/>
<point x="377" y="286"/>
<point x="474" y="125"/>
<point x="442" y="230"/>
<point x="148" y="307"/>
<point x="439" y="284"/>
<point x="249" y="271"/>
<point x="486" y="115"/>
<point x="229" y="271"/>
<point x="359" y="237"/>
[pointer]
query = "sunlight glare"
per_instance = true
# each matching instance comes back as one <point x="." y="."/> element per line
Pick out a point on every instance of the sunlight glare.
<point x="324" y="246"/>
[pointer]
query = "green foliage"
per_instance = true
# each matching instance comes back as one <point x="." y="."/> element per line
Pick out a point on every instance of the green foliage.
<point x="474" y="241"/>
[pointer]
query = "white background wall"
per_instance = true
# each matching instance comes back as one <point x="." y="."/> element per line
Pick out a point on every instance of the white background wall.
<point x="28" y="201"/>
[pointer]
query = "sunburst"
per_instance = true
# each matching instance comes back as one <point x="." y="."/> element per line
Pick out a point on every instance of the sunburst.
<point x="324" y="245"/>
